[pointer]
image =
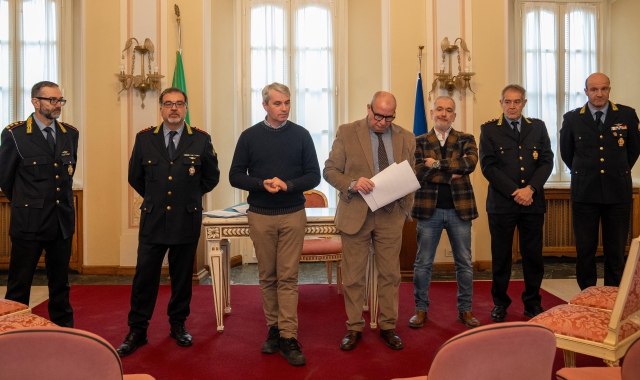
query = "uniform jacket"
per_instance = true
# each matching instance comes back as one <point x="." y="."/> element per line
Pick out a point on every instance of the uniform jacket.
<point x="509" y="164"/>
<point x="37" y="181"/>
<point x="172" y="187"/>
<point x="600" y="163"/>
<point x="351" y="157"/>
<point x="458" y="144"/>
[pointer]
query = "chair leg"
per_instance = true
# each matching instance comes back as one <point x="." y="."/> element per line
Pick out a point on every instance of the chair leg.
<point x="329" y="271"/>
<point x="612" y="363"/>
<point x="569" y="358"/>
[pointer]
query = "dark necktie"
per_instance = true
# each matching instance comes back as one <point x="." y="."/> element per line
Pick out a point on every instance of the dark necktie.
<point x="171" y="147"/>
<point x="50" y="140"/>
<point x="515" y="129"/>
<point x="383" y="163"/>
<point x="599" y="123"/>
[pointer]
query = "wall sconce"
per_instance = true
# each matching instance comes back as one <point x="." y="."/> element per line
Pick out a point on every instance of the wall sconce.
<point x="447" y="80"/>
<point x="143" y="82"/>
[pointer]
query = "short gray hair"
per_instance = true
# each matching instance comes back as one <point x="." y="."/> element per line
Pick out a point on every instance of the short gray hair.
<point x="281" y="88"/>
<point x="514" y="87"/>
<point x="445" y="97"/>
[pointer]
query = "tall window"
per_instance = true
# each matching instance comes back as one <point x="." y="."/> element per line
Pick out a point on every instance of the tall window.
<point x="292" y="42"/>
<point x="559" y="49"/>
<point x="29" y="52"/>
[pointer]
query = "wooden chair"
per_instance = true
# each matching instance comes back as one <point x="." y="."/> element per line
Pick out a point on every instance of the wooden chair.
<point x="602" y="333"/>
<point x="322" y="249"/>
<point x="501" y="351"/>
<point x="630" y="369"/>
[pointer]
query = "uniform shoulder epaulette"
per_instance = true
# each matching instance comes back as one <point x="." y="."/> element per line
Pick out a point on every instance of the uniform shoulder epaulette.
<point x="574" y="110"/>
<point x="69" y="125"/>
<point x="490" y="121"/>
<point x="15" y="124"/>
<point x="146" y="129"/>
<point x="200" y="130"/>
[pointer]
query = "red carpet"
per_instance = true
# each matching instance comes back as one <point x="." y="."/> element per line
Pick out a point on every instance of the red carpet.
<point x="235" y="353"/>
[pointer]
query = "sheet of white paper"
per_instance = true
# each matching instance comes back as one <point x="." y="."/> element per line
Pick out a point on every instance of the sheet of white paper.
<point x="222" y="214"/>
<point x="242" y="208"/>
<point x="394" y="182"/>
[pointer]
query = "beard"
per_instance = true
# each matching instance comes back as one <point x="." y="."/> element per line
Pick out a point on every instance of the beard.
<point x="51" y="114"/>
<point x="174" y="119"/>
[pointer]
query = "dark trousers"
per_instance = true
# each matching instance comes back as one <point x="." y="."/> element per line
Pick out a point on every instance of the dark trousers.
<point x="615" y="230"/>
<point x="501" y="227"/>
<point x="146" y="281"/>
<point x="22" y="266"/>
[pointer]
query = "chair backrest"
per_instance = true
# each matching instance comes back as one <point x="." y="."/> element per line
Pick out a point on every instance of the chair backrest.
<point x="57" y="353"/>
<point x="627" y="305"/>
<point x="631" y="362"/>
<point x="315" y="198"/>
<point x="512" y="350"/>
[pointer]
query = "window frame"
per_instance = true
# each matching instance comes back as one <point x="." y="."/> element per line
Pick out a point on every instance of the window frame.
<point x="562" y="176"/>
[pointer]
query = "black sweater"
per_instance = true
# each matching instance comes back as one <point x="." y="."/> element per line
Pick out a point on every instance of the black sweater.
<point x="263" y="153"/>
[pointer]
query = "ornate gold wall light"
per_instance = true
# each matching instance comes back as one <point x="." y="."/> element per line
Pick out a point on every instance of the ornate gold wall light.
<point x="145" y="81"/>
<point x="447" y="80"/>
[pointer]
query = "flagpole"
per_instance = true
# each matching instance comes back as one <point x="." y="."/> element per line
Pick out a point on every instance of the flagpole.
<point x="419" y="114"/>
<point x="177" y="10"/>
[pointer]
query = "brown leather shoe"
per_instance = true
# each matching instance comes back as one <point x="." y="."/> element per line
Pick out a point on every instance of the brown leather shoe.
<point x="468" y="319"/>
<point x="350" y="341"/>
<point x="418" y="320"/>
<point x="392" y="339"/>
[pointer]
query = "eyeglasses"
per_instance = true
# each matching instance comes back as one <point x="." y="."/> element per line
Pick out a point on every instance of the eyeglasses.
<point x="54" y="101"/>
<point x="171" y="104"/>
<point x="379" y="117"/>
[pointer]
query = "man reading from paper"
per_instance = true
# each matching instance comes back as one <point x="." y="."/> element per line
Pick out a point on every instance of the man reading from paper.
<point x="361" y="150"/>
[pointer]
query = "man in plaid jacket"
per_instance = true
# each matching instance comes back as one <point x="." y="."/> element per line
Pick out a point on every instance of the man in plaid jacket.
<point x="445" y="200"/>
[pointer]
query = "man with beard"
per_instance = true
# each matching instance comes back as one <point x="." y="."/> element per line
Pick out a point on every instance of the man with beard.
<point x="172" y="166"/>
<point x="38" y="159"/>
<point x="445" y="200"/>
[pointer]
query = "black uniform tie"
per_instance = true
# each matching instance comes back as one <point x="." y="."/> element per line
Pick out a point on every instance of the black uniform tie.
<point x="50" y="140"/>
<point x="383" y="163"/>
<point x="515" y="129"/>
<point x="599" y="123"/>
<point x="171" y="147"/>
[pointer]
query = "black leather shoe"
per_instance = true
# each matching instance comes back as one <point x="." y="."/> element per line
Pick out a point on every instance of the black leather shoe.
<point x="290" y="348"/>
<point x="180" y="334"/>
<point x="498" y="313"/>
<point x="392" y="339"/>
<point x="270" y="346"/>
<point x="533" y="311"/>
<point x="350" y="341"/>
<point x="131" y="343"/>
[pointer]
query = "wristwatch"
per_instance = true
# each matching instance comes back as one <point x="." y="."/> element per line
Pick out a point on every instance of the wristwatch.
<point x="436" y="165"/>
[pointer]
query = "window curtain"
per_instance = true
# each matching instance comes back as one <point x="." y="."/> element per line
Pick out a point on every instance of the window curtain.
<point x="540" y="30"/>
<point x="581" y="59"/>
<point x="29" y="52"/>
<point x="313" y="72"/>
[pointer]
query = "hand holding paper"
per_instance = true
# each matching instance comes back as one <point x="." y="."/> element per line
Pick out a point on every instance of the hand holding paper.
<point x="394" y="182"/>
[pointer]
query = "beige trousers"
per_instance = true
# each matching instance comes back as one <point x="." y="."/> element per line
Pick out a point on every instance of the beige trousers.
<point x="278" y="241"/>
<point x="383" y="231"/>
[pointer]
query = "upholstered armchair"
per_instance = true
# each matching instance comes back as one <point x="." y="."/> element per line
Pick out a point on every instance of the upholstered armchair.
<point x="630" y="369"/>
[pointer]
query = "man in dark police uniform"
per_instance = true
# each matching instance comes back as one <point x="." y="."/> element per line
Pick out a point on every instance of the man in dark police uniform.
<point x="37" y="163"/>
<point x="172" y="166"/>
<point x="600" y="143"/>
<point x="516" y="158"/>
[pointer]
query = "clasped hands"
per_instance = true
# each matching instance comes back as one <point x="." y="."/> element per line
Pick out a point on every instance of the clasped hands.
<point x="274" y="185"/>
<point x="523" y="196"/>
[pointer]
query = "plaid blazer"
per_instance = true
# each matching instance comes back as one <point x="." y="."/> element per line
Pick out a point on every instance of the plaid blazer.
<point x="458" y="145"/>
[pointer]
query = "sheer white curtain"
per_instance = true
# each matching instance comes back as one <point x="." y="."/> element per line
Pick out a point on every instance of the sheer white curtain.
<point x="292" y="43"/>
<point x="29" y="52"/>
<point x="540" y="64"/>
<point x="581" y="55"/>
<point x="313" y="75"/>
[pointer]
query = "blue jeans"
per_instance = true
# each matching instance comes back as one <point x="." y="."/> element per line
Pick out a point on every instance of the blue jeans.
<point x="429" y="232"/>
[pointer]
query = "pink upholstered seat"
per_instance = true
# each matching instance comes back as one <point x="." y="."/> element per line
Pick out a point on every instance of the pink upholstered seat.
<point x="505" y="351"/>
<point x="599" y="297"/>
<point x="22" y="320"/>
<point x="321" y="249"/>
<point x="630" y="369"/>
<point x="598" y="332"/>
<point x="10" y="307"/>
<point x="59" y="353"/>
